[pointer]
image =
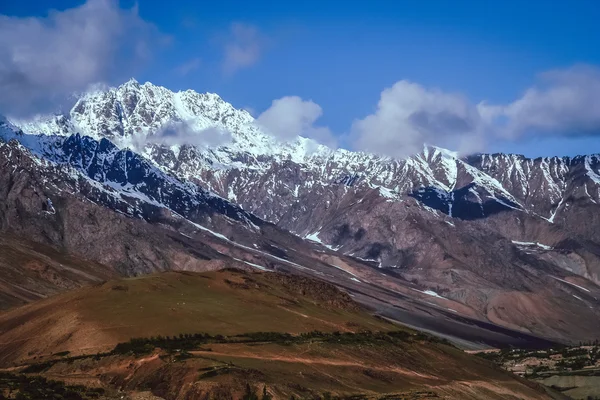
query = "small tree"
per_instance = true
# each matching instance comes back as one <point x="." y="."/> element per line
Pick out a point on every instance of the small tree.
<point x="266" y="395"/>
<point x="250" y="393"/>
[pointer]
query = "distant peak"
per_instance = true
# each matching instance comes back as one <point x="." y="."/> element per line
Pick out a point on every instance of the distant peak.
<point x="435" y="150"/>
<point x="213" y="96"/>
<point x="207" y="95"/>
<point x="445" y="152"/>
<point x="131" y="84"/>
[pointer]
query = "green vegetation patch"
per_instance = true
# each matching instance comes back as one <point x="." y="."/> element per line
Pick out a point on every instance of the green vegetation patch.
<point x="186" y="342"/>
<point x="23" y="387"/>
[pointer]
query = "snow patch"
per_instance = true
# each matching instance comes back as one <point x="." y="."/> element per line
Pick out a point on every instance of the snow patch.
<point x="593" y="175"/>
<point x="252" y="264"/>
<point x="529" y="244"/>
<point x="387" y="193"/>
<point x="432" y="293"/>
<point x="572" y="284"/>
<point x="342" y="269"/>
<point x="429" y="293"/>
<point x="314" y="237"/>
<point x="551" y="218"/>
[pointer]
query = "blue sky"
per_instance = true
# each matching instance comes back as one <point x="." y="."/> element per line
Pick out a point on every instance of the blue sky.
<point x="342" y="55"/>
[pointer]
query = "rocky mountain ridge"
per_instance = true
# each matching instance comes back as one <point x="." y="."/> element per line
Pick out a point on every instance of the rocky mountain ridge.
<point x="135" y="115"/>
<point x="497" y="238"/>
<point x="284" y="182"/>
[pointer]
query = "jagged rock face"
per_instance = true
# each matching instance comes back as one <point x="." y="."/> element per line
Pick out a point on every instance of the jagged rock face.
<point x="490" y="232"/>
<point x="59" y="206"/>
<point x="134" y="108"/>
<point x="308" y="189"/>
<point x="103" y="162"/>
<point x="470" y="188"/>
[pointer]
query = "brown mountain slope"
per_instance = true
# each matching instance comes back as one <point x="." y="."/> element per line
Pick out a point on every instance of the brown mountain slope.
<point x="30" y="271"/>
<point x="229" y="303"/>
<point x="452" y="277"/>
<point x="501" y="239"/>
<point x="95" y="319"/>
<point x="160" y="239"/>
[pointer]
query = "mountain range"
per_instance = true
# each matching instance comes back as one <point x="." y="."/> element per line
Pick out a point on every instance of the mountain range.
<point x="485" y="250"/>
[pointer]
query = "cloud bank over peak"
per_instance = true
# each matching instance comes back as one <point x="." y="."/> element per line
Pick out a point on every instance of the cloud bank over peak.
<point x="44" y="60"/>
<point x="182" y="132"/>
<point x="409" y="115"/>
<point x="290" y="116"/>
<point x="178" y="133"/>
<point x="563" y="103"/>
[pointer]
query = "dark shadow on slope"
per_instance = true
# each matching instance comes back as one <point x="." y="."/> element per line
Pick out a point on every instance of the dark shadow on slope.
<point x="104" y="162"/>
<point x="275" y="251"/>
<point x="460" y="204"/>
<point x="457" y="328"/>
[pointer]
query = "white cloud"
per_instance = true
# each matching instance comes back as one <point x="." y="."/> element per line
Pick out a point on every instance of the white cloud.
<point x="243" y="48"/>
<point x="183" y="132"/>
<point x="43" y="60"/>
<point x="564" y="102"/>
<point x="290" y="116"/>
<point x="189" y="66"/>
<point x="409" y="115"/>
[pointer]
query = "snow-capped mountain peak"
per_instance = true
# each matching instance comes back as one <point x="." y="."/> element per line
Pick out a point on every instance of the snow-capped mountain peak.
<point x="201" y="137"/>
<point x="133" y="114"/>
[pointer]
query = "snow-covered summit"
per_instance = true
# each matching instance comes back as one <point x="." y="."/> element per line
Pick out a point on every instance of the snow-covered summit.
<point x="133" y="115"/>
<point x="201" y="137"/>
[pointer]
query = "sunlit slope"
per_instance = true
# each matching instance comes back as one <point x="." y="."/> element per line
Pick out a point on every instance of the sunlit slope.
<point x="95" y="319"/>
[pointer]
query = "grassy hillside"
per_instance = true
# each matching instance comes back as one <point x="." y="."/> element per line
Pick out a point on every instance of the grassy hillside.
<point x="321" y="343"/>
<point x="95" y="319"/>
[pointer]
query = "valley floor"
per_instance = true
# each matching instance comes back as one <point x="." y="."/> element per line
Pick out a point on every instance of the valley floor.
<point x="573" y="371"/>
